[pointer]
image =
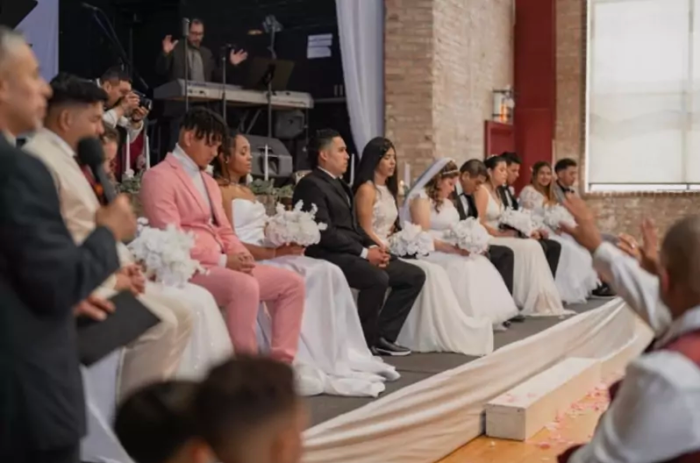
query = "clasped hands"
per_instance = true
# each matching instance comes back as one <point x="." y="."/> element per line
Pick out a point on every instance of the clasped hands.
<point x="378" y="256"/>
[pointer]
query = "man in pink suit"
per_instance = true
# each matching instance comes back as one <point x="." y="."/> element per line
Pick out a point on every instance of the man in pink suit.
<point x="179" y="192"/>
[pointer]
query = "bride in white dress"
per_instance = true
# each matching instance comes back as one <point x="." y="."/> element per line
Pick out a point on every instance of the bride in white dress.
<point x="333" y="357"/>
<point x="479" y="287"/>
<point x="436" y="322"/>
<point x="533" y="285"/>
<point x="576" y="278"/>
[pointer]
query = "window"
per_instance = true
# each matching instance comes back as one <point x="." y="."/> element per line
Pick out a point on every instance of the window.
<point x="643" y="95"/>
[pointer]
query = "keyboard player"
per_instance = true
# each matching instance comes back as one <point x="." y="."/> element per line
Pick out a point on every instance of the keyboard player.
<point x="201" y="64"/>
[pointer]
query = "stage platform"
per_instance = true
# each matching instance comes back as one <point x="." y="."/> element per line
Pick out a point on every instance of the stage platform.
<point x="437" y="405"/>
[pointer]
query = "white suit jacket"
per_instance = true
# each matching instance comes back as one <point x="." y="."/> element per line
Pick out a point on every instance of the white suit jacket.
<point x="77" y="198"/>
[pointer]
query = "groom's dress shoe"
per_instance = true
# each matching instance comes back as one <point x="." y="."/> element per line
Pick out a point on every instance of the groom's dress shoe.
<point x="384" y="347"/>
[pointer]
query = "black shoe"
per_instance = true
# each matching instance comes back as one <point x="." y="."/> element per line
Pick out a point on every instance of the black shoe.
<point x="603" y="291"/>
<point x="518" y="319"/>
<point x="384" y="347"/>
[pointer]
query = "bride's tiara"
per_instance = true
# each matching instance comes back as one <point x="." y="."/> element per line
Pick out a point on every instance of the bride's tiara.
<point x="450" y="172"/>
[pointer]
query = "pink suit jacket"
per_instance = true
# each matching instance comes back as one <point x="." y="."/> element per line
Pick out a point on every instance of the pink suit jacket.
<point x="169" y="197"/>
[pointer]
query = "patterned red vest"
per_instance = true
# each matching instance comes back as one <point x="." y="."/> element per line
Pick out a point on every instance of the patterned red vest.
<point x="687" y="345"/>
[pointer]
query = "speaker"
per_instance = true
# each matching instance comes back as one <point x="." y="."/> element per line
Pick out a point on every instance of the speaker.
<point x="12" y="12"/>
<point x="279" y="161"/>
<point x="289" y="124"/>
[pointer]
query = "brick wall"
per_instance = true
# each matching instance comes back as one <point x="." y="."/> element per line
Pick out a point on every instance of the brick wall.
<point x="620" y="212"/>
<point x="443" y="58"/>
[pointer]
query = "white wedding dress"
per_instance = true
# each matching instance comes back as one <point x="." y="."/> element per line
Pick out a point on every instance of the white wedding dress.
<point x="437" y="322"/>
<point x="333" y="357"/>
<point x="575" y="278"/>
<point x="533" y="285"/>
<point x="210" y="343"/>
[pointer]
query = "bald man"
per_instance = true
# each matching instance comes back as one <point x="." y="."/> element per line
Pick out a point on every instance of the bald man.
<point x="653" y="415"/>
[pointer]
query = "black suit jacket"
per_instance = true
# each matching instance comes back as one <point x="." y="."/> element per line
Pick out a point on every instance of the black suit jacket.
<point x="472" y="212"/>
<point x="43" y="274"/>
<point x="336" y="208"/>
<point x="172" y="65"/>
<point x="508" y="198"/>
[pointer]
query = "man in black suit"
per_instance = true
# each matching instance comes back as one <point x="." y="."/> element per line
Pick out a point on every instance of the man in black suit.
<point x="552" y="249"/>
<point x="472" y="175"/>
<point x="44" y="280"/>
<point x="367" y="265"/>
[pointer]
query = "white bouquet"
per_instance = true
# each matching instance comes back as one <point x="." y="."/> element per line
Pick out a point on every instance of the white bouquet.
<point x="469" y="235"/>
<point x="165" y="254"/>
<point x="294" y="227"/>
<point x="556" y="215"/>
<point x="411" y="241"/>
<point x="521" y="220"/>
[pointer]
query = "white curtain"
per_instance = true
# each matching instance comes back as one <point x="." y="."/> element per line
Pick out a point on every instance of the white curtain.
<point x="361" y="31"/>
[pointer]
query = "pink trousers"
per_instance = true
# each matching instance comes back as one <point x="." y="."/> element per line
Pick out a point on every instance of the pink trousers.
<point x="240" y="295"/>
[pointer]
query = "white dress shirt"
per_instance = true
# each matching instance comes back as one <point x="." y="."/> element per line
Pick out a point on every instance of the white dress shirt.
<point x="195" y="174"/>
<point x="365" y="251"/>
<point x="655" y="416"/>
<point x="462" y="198"/>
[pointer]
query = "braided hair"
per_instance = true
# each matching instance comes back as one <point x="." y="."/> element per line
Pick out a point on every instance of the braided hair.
<point x="206" y="125"/>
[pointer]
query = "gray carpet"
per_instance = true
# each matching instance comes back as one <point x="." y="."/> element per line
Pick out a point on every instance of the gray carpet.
<point x="418" y="367"/>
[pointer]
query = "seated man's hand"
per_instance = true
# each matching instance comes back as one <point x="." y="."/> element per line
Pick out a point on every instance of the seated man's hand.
<point x="629" y="246"/>
<point x="536" y="235"/>
<point x="544" y="234"/>
<point x="241" y="262"/>
<point x="377" y="257"/>
<point x="94" y="308"/>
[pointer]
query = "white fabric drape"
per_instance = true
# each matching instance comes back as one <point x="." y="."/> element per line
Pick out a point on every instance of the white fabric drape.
<point x="361" y="31"/>
<point x="40" y="28"/>
<point x="424" y="422"/>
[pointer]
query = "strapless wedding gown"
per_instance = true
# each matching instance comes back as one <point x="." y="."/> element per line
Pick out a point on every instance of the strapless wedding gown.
<point x="210" y="343"/>
<point x="533" y="285"/>
<point x="333" y="357"/>
<point x="438" y="322"/>
<point x="575" y="279"/>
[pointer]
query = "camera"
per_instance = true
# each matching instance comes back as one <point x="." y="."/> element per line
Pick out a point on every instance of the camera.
<point x="144" y="102"/>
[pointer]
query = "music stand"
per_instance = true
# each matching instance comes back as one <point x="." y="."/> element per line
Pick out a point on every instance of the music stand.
<point x="274" y="71"/>
<point x="12" y="12"/>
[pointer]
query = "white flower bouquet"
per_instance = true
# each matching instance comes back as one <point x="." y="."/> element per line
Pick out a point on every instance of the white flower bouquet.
<point x="521" y="220"/>
<point x="556" y="215"/>
<point x="165" y="254"/>
<point x="411" y="241"/>
<point x="294" y="227"/>
<point x="469" y="235"/>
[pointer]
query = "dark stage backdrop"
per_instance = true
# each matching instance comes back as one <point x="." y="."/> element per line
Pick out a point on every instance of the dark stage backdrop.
<point x="142" y="24"/>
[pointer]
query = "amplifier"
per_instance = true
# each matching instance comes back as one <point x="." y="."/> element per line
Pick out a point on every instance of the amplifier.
<point x="280" y="162"/>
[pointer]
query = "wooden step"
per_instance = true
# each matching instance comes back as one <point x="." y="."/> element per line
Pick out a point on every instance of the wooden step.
<point x="528" y="407"/>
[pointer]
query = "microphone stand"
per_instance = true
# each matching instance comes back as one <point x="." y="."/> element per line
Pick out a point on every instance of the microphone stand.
<point x="116" y="44"/>
<point x="186" y="31"/>
<point x="270" y="77"/>
<point x="224" y="62"/>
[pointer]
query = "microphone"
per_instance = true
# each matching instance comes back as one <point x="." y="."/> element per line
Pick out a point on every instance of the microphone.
<point x="91" y="154"/>
<point x="185" y="27"/>
<point x="89" y="7"/>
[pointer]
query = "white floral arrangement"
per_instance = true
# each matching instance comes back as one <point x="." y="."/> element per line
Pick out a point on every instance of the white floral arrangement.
<point x="165" y="254"/>
<point x="468" y="235"/>
<point x="294" y="227"/>
<point x="412" y="240"/>
<point x="522" y="220"/>
<point x="556" y="215"/>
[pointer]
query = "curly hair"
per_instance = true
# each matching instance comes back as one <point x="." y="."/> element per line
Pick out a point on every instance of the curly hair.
<point x="431" y="188"/>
